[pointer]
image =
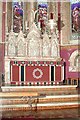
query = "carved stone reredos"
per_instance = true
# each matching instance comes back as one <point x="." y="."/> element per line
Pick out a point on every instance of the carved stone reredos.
<point x="54" y="39"/>
<point x="33" y="32"/>
<point x="46" y="39"/>
<point x="11" y="37"/>
<point x="20" y="37"/>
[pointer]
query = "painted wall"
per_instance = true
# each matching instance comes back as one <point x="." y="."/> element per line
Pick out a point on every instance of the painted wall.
<point x="65" y="54"/>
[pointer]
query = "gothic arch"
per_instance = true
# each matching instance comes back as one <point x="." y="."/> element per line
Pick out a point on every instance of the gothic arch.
<point x="33" y="42"/>
<point x="20" y="37"/>
<point x="11" y="44"/>
<point x="74" y="61"/>
<point x="54" y="46"/>
<point x="33" y="30"/>
<point x="72" y="57"/>
<point x="21" y="45"/>
<point x="11" y="49"/>
<point x="33" y="48"/>
<point x="21" y="48"/>
<point x="46" y="46"/>
<point x="77" y="61"/>
<point x="12" y="37"/>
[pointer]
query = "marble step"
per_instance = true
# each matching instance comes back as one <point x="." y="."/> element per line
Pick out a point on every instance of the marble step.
<point x="39" y="88"/>
<point x="40" y="106"/>
<point x="39" y="93"/>
<point x="47" y="97"/>
<point x="40" y="99"/>
<point x="17" y="94"/>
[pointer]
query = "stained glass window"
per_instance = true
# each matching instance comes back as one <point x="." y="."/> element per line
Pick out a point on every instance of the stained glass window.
<point x="75" y="17"/>
<point x="17" y="15"/>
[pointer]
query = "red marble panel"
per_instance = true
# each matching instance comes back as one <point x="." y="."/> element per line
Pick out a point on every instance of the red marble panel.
<point x="37" y="73"/>
<point x="15" y="73"/>
<point x="58" y="73"/>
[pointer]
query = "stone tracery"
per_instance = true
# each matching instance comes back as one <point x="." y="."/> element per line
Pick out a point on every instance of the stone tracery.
<point x="21" y="45"/>
<point x="32" y="43"/>
<point x="11" y="44"/>
<point x="46" y="45"/>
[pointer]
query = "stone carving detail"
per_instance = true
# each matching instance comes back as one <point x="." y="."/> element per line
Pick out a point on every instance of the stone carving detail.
<point x="11" y="37"/>
<point x="21" y="48"/>
<point x="33" y="48"/>
<point x="46" y="45"/>
<point x="21" y="45"/>
<point x="11" y="44"/>
<point x="11" y="49"/>
<point x="54" y="46"/>
<point x="34" y="43"/>
<point x="33" y="30"/>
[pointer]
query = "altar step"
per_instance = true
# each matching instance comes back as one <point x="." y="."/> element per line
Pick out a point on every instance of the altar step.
<point x="47" y="90"/>
<point x="45" y="106"/>
<point x="39" y="88"/>
<point x="48" y="102"/>
<point x="39" y="98"/>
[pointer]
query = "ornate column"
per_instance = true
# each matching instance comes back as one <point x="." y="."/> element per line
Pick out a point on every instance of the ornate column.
<point x="65" y="17"/>
<point x="0" y="21"/>
<point x="9" y="16"/>
<point x="0" y="41"/>
<point x="25" y="14"/>
<point x="29" y="8"/>
<point x="3" y="35"/>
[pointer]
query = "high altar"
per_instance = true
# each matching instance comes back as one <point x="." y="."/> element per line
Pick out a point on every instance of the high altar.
<point x="38" y="44"/>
